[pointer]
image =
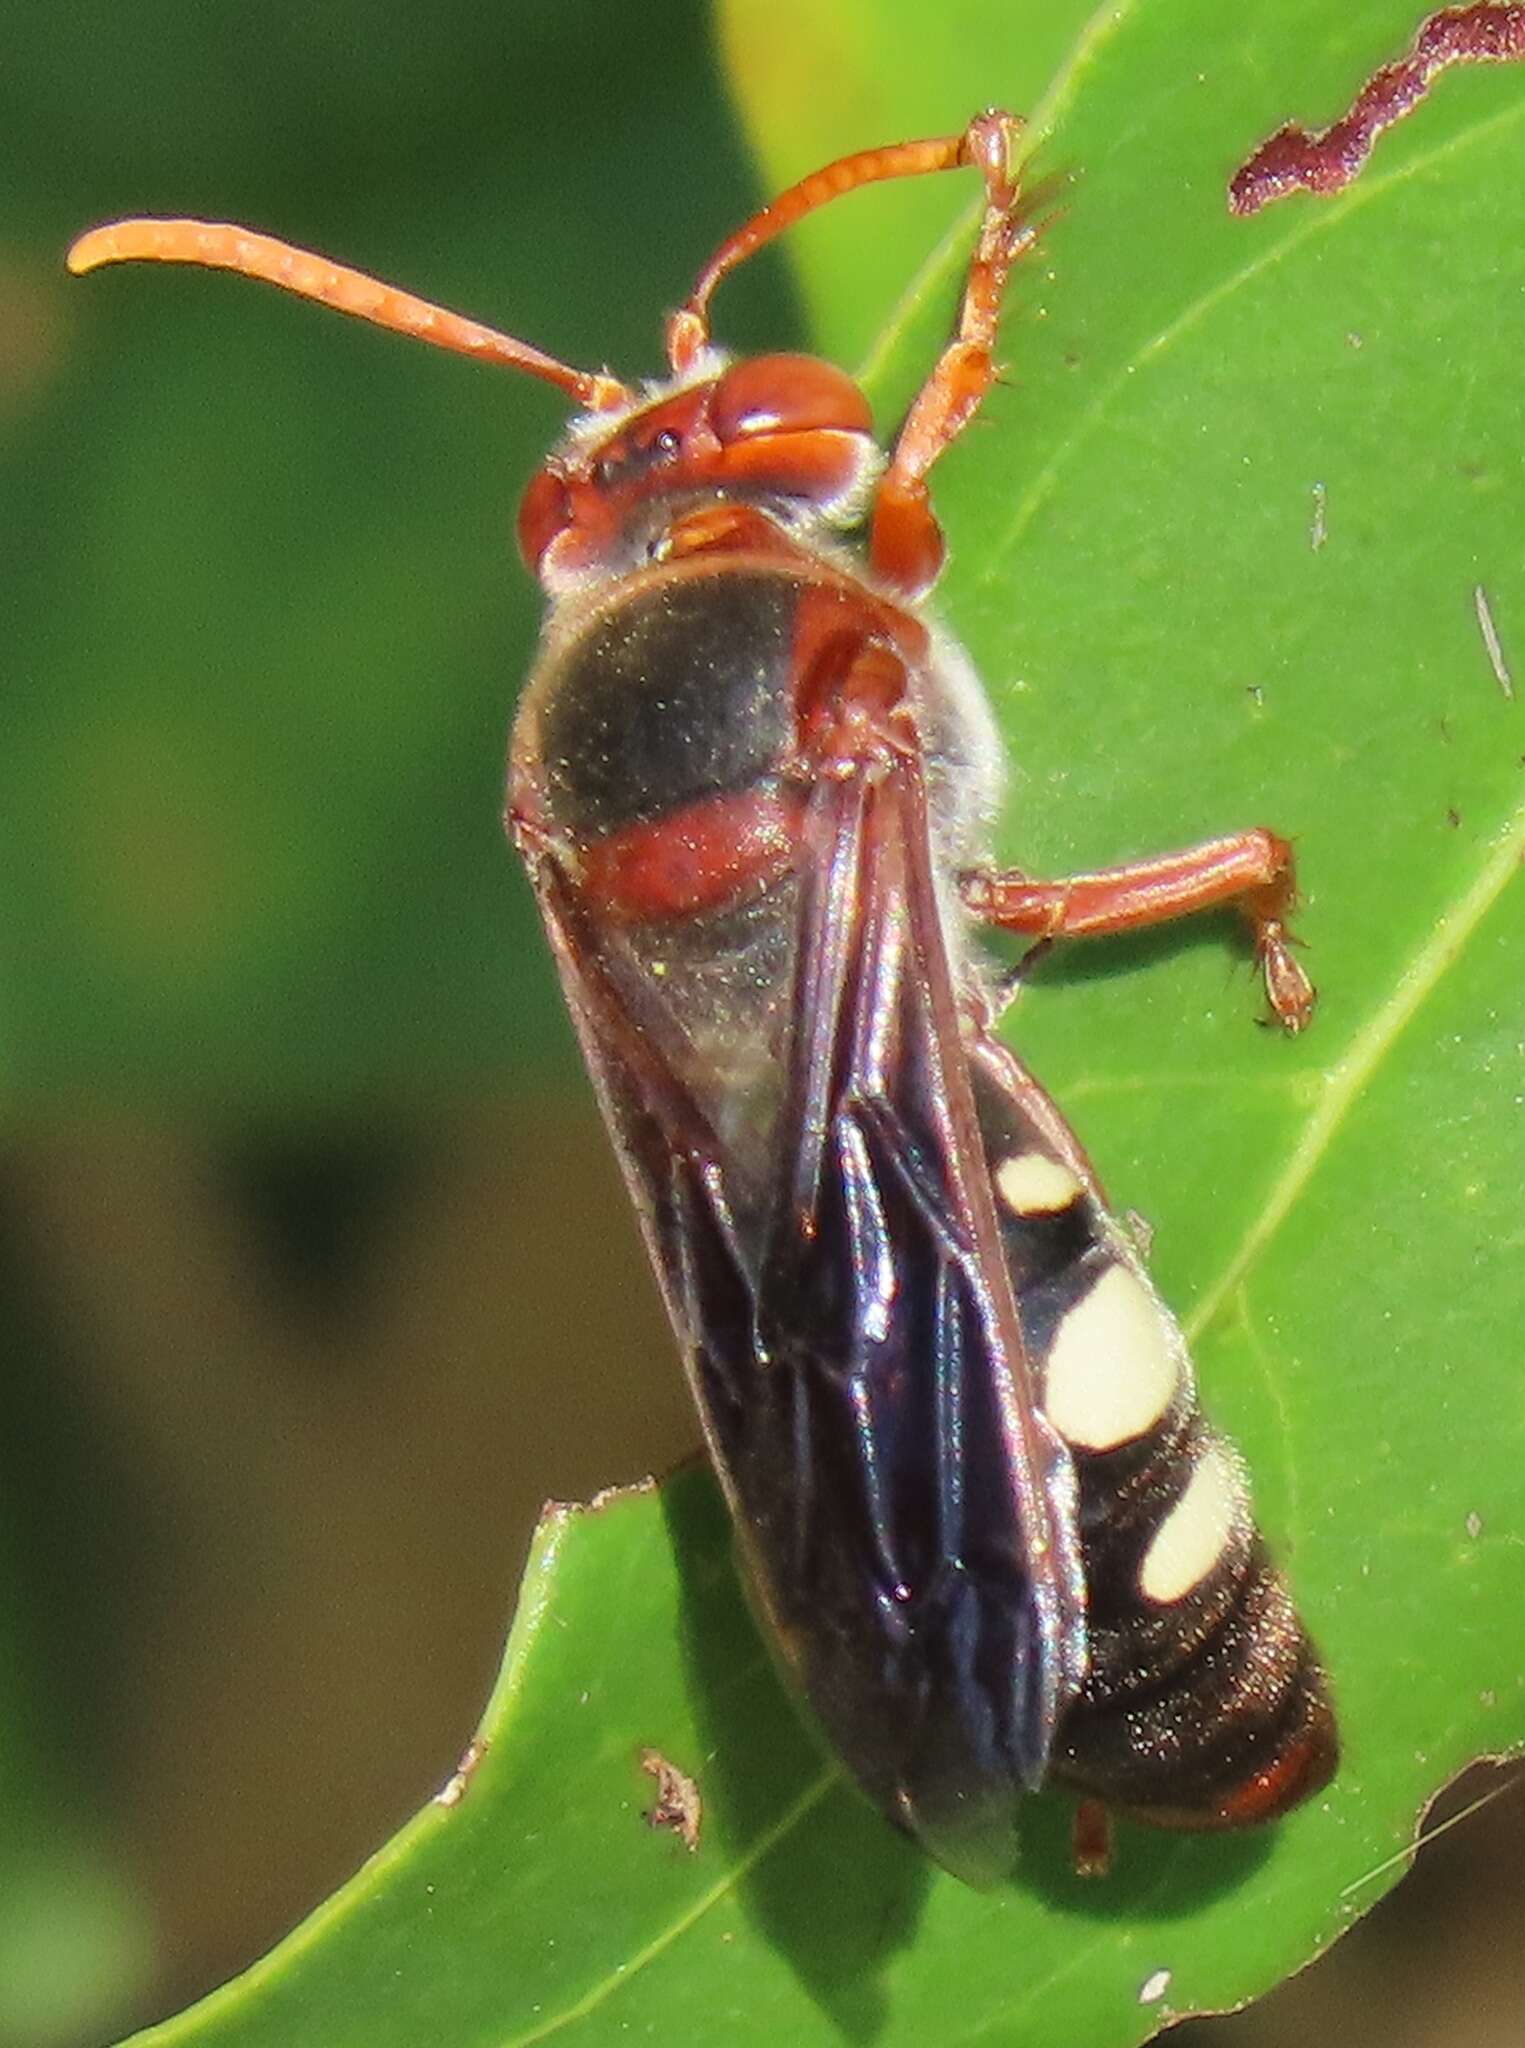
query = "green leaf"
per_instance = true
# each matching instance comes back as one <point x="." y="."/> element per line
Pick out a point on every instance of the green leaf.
<point x="1133" y="527"/>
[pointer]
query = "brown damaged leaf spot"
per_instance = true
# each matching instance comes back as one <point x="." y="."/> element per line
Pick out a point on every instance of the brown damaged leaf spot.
<point x="455" y="1787"/>
<point x="1295" y="160"/>
<point x="557" y="1513"/>
<point x="615" y="1496"/>
<point x="678" y="1804"/>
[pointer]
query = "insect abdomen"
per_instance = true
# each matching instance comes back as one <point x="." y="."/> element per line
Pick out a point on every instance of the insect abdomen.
<point x="1203" y="1705"/>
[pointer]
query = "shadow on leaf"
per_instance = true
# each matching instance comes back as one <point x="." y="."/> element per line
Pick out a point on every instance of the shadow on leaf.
<point x="831" y="1887"/>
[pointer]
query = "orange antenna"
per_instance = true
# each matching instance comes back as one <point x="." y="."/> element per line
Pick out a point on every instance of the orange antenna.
<point x="218" y="246"/>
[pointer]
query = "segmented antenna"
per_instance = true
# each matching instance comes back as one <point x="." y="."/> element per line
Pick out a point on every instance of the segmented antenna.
<point x="218" y="246"/>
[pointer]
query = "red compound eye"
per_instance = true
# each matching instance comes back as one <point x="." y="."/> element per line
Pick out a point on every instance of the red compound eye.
<point x="544" y="510"/>
<point x="785" y="395"/>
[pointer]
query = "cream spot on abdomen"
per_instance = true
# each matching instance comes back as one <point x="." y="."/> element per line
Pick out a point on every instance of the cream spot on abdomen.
<point x="1032" y="1184"/>
<point x="1197" y="1531"/>
<point x="1114" y="1365"/>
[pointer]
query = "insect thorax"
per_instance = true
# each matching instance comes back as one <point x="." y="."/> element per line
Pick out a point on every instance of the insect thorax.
<point x="668" y="700"/>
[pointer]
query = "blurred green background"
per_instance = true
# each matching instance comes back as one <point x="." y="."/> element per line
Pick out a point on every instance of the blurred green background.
<point x="299" y="1166"/>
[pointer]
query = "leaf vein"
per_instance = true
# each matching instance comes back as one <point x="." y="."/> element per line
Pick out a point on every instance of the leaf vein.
<point x="607" y="1986"/>
<point x="1345" y="1081"/>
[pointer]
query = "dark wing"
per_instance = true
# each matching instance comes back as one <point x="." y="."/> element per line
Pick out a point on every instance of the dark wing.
<point x="906" y="1513"/>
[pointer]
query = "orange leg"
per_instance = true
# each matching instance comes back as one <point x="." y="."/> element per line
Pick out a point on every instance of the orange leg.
<point x="1251" y="870"/>
<point x="1091" y="1839"/>
<point x="905" y="541"/>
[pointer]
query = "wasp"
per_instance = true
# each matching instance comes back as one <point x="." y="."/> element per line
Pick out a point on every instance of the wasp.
<point x="753" y="781"/>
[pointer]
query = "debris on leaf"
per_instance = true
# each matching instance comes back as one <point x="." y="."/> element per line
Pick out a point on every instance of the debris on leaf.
<point x="678" y="1804"/>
